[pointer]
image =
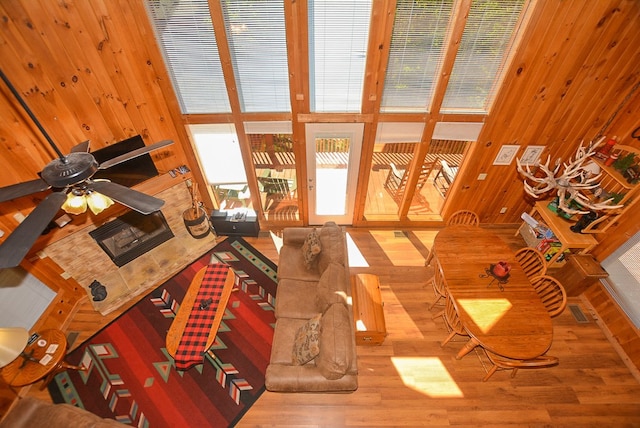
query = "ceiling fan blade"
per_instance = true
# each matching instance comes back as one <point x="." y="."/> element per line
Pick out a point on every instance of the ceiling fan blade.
<point x="134" y="153"/>
<point x="22" y="189"/>
<point x="133" y="199"/>
<point x="82" y="147"/>
<point x="18" y="244"/>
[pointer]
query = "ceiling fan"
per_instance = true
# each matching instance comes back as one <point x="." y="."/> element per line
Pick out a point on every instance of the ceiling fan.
<point x="68" y="175"/>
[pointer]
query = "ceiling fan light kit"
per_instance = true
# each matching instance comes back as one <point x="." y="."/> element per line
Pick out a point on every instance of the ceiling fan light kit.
<point x="73" y="190"/>
<point x="79" y="199"/>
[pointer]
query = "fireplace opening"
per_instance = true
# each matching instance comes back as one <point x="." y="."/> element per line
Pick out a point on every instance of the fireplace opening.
<point x="131" y="235"/>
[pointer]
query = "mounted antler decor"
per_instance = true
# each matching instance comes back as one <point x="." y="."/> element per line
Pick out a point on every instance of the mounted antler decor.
<point x="570" y="184"/>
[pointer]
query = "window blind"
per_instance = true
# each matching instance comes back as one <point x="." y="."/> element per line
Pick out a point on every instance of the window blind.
<point x="484" y="47"/>
<point x="338" y="37"/>
<point x="186" y="37"/>
<point x="219" y="152"/>
<point x="415" y="55"/>
<point x="257" y="40"/>
<point x="623" y="266"/>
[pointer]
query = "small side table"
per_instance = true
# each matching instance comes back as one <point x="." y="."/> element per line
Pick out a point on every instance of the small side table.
<point x="44" y="359"/>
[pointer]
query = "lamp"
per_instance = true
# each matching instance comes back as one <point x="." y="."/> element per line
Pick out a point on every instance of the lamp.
<point x="76" y="202"/>
<point x="79" y="198"/>
<point x="98" y="202"/>
<point x="13" y="340"/>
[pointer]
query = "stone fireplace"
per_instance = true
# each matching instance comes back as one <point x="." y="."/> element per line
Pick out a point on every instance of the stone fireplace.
<point x="142" y="273"/>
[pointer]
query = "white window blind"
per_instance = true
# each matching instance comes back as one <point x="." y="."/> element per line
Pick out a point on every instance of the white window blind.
<point x="415" y="55"/>
<point x="257" y="40"/>
<point x="484" y="47"/>
<point x="338" y="37"/>
<point x="399" y="132"/>
<point x="23" y="298"/>
<point x="219" y="152"/>
<point x="186" y="37"/>
<point x="623" y="266"/>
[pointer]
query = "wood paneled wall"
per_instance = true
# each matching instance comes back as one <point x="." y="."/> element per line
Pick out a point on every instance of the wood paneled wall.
<point x="88" y="70"/>
<point x="574" y="78"/>
<point x="91" y="70"/>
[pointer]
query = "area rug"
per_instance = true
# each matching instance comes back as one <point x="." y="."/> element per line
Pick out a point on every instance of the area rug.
<point x="131" y="377"/>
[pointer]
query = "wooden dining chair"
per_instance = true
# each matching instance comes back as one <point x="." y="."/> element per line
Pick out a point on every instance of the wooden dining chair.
<point x="452" y="320"/>
<point x="532" y="261"/>
<point x="502" y="363"/>
<point x="464" y="217"/>
<point x="551" y="292"/>
<point x="439" y="286"/>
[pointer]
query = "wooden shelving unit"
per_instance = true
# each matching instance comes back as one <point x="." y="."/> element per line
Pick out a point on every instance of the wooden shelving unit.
<point x="569" y="240"/>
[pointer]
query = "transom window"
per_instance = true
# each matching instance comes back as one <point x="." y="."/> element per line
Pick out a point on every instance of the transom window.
<point x="338" y="33"/>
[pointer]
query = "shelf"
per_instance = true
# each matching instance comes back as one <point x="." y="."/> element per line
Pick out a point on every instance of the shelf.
<point x="560" y="227"/>
<point x="615" y="174"/>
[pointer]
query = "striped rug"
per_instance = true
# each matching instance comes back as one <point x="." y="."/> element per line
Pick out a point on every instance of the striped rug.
<point x="131" y="377"/>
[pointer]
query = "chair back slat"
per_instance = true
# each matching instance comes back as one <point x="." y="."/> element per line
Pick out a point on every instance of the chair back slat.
<point x="532" y="261"/>
<point x="464" y="217"/>
<point x="551" y="293"/>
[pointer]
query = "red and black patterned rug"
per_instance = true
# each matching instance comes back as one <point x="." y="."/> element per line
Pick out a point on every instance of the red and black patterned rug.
<point x="131" y="377"/>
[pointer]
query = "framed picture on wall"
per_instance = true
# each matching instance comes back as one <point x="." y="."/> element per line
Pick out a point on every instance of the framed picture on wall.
<point x="506" y="154"/>
<point x="531" y="155"/>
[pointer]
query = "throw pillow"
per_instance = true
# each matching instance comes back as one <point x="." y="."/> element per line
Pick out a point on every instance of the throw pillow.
<point x="306" y="345"/>
<point x="311" y="248"/>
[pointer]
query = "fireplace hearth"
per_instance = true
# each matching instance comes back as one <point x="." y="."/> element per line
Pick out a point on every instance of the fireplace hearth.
<point x="131" y="235"/>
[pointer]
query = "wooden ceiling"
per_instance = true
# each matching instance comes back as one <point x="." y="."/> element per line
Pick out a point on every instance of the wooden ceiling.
<point x="91" y="70"/>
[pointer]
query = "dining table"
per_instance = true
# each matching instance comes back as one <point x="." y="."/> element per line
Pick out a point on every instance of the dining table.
<point x="502" y="314"/>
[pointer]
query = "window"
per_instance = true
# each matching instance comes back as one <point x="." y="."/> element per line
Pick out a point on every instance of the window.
<point x="485" y="44"/>
<point x="338" y="37"/>
<point x="415" y="55"/>
<point x="257" y="40"/>
<point x="623" y="283"/>
<point x="219" y="152"/>
<point x="186" y="37"/>
<point x="418" y="43"/>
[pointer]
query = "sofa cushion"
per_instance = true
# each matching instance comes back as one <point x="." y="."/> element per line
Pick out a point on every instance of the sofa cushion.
<point x="311" y="248"/>
<point x="332" y="241"/>
<point x="283" y="335"/>
<point x="336" y="342"/>
<point x="306" y="343"/>
<point x="332" y="287"/>
<point x="296" y="299"/>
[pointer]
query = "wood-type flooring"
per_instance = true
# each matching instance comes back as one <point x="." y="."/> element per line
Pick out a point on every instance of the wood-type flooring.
<point x="410" y="380"/>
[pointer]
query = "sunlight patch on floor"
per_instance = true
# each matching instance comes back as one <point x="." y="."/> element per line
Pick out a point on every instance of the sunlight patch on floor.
<point x="398" y="248"/>
<point x="426" y="237"/>
<point x="400" y="325"/>
<point x="356" y="258"/>
<point x="426" y="375"/>
<point x="277" y="241"/>
<point x="485" y="312"/>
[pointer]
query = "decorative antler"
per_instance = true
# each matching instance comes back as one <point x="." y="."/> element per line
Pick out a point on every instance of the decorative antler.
<point x="570" y="184"/>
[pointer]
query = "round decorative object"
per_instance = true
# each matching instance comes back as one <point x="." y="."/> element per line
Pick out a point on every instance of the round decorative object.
<point x="72" y="169"/>
<point x="197" y="223"/>
<point x="98" y="291"/>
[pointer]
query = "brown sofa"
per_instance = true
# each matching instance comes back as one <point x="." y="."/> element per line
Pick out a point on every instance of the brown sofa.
<point x="320" y="290"/>
<point x="30" y="412"/>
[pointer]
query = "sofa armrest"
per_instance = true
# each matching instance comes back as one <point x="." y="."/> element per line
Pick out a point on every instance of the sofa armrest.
<point x="295" y="236"/>
<point x="307" y="378"/>
<point x="32" y="412"/>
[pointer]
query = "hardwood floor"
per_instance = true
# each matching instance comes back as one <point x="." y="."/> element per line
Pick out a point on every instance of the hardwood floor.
<point x="411" y="380"/>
